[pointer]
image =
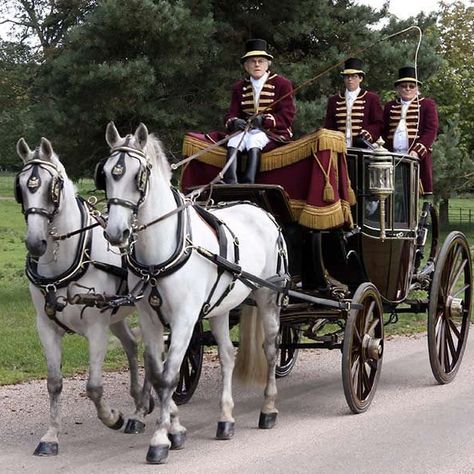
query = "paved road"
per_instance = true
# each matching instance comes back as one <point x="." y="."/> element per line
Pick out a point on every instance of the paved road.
<point x="413" y="426"/>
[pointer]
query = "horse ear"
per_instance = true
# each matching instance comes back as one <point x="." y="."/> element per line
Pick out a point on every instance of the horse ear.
<point x="141" y="135"/>
<point x="46" y="148"/>
<point x="23" y="150"/>
<point x="112" y="136"/>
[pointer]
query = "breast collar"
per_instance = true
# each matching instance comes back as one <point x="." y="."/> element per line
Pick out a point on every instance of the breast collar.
<point x="179" y="257"/>
<point x="77" y="269"/>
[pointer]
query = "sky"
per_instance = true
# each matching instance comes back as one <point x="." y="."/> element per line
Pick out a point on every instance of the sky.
<point x="406" y="8"/>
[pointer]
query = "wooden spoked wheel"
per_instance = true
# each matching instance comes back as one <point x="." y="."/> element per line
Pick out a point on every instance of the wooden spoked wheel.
<point x="449" y="307"/>
<point x="363" y="348"/>
<point x="191" y="366"/>
<point x="287" y="355"/>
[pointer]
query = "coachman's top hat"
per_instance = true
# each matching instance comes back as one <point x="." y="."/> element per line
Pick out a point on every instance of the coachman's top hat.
<point x="407" y="74"/>
<point x="353" y="66"/>
<point x="255" y="47"/>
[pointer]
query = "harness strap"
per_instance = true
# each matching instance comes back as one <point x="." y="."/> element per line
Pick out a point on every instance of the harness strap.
<point x="219" y="227"/>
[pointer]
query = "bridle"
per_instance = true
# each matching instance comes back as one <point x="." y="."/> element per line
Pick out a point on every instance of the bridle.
<point x="34" y="183"/>
<point x="118" y="171"/>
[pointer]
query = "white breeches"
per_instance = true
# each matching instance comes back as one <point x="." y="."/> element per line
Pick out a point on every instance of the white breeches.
<point x="252" y="139"/>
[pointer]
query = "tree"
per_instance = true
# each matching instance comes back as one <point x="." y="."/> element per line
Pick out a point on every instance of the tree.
<point x="17" y="69"/>
<point x="171" y="63"/>
<point x="454" y="91"/>
<point x="44" y="22"/>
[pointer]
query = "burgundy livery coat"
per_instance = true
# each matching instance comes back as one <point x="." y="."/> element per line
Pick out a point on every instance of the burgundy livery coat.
<point x="366" y="115"/>
<point x="422" y="126"/>
<point x="278" y="116"/>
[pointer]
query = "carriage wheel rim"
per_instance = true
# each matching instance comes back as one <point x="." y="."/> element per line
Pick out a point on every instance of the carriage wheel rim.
<point x="449" y="308"/>
<point x="365" y="349"/>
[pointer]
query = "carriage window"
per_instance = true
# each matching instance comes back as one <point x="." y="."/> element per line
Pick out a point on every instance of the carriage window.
<point x="401" y="198"/>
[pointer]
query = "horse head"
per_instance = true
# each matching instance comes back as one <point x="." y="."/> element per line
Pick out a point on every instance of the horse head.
<point x="124" y="176"/>
<point x="38" y="188"/>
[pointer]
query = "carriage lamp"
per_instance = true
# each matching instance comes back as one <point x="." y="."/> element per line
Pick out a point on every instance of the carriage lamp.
<point x="381" y="180"/>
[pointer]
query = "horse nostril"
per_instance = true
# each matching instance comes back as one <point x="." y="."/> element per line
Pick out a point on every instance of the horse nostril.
<point x="126" y="235"/>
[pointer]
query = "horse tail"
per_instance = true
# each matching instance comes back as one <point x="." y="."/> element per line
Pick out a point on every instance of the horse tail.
<point x="251" y="364"/>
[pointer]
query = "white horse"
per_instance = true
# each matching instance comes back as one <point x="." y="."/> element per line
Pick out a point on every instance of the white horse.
<point x="59" y="270"/>
<point x="172" y="263"/>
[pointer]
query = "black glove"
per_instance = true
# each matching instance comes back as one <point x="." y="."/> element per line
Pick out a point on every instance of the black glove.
<point x="236" y="124"/>
<point x="360" y="142"/>
<point x="257" y="121"/>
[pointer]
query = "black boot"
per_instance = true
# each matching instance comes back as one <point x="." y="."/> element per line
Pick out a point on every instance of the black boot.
<point x="253" y="162"/>
<point x="230" y="176"/>
<point x="313" y="271"/>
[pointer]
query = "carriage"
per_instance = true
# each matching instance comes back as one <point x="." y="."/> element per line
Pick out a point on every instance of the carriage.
<point x="390" y="262"/>
<point x="355" y="217"/>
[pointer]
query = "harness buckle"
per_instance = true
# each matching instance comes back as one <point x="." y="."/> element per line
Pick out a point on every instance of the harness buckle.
<point x="205" y="308"/>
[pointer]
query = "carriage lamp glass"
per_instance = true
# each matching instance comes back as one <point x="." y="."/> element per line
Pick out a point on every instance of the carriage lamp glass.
<point x="381" y="176"/>
<point x="381" y="173"/>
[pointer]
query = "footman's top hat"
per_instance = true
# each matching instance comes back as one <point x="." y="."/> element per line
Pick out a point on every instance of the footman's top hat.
<point x="353" y="66"/>
<point x="255" y="47"/>
<point x="407" y="74"/>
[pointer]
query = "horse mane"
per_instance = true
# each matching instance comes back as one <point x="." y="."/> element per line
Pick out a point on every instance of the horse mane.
<point x="67" y="181"/>
<point x="155" y="152"/>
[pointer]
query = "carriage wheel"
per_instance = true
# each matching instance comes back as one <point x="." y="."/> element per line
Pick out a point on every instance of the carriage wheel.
<point x="287" y="355"/>
<point x="363" y="348"/>
<point x="449" y="307"/>
<point x="190" y="368"/>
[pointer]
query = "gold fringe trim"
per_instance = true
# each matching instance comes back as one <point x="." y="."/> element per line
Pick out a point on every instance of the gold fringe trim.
<point x="215" y="157"/>
<point x="322" y="218"/>
<point x="322" y="139"/>
<point x="297" y="206"/>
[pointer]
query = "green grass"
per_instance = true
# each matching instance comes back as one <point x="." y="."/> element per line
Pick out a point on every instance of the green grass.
<point x="21" y="356"/>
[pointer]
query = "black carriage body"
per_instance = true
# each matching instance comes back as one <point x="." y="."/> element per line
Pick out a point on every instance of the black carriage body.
<point x="388" y="263"/>
<point x="368" y="270"/>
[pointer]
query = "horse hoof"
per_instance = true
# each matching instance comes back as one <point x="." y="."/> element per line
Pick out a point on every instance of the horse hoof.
<point x="177" y="440"/>
<point x="157" y="454"/>
<point x="267" y="420"/>
<point x="45" y="448"/>
<point x="225" y="429"/>
<point x="118" y="424"/>
<point x="134" y="427"/>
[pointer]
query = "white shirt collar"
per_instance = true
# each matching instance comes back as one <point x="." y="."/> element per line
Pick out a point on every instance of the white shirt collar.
<point x="258" y="83"/>
<point x="352" y="94"/>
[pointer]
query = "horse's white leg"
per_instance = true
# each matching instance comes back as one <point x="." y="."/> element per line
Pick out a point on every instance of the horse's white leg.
<point x="269" y="313"/>
<point x="50" y="336"/>
<point x="169" y="432"/>
<point x="97" y="336"/>
<point x="144" y="402"/>
<point x="220" y="329"/>
<point x="121" y="330"/>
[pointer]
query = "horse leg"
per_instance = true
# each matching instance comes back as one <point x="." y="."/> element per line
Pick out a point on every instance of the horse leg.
<point x="169" y="432"/>
<point x="97" y="337"/>
<point x="269" y="314"/>
<point x="144" y="402"/>
<point x="220" y="329"/>
<point x="51" y="340"/>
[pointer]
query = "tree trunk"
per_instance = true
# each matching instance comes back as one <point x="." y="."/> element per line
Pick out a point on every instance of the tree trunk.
<point x="443" y="212"/>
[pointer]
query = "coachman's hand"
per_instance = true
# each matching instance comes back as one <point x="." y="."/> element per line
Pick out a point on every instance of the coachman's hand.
<point x="236" y="124"/>
<point x="257" y="121"/>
